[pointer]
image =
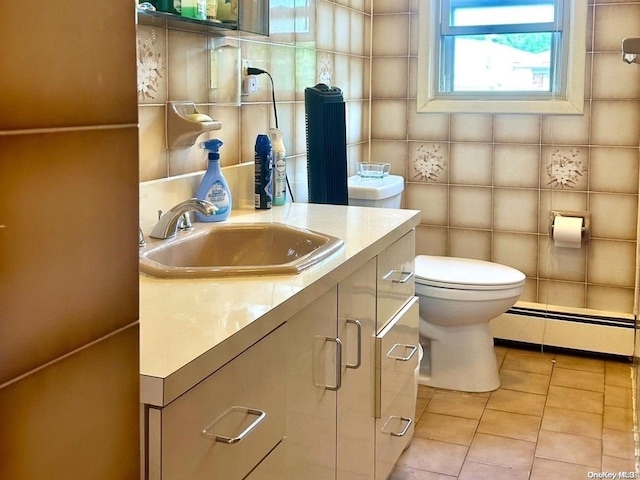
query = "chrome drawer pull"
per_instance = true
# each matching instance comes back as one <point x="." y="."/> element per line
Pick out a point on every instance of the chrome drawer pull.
<point x="403" y="358"/>
<point x="406" y="276"/>
<point x="260" y="416"/>
<point x="404" y="430"/>
<point x="338" y="384"/>
<point x="359" y="339"/>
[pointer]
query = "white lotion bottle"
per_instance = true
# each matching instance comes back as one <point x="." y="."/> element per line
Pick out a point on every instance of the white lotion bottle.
<point x="279" y="167"/>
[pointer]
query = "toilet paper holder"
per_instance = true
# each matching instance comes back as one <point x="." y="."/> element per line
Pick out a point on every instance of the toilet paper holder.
<point x="586" y="221"/>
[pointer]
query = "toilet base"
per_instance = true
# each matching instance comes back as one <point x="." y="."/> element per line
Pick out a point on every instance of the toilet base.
<point x="461" y="358"/>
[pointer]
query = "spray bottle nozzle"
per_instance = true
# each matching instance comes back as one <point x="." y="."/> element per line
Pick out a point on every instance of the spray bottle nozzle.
<point x="213" y="146"/>
<point x="277" y="143"/>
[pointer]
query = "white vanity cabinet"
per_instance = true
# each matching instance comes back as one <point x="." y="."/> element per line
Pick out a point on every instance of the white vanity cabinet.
<point x="396" y="363"/>
<point x="326" y="355"/>
<point x="395" y="278"/>
<point x="223" y="427"/>
<point x="313" y="377"/>
<point x="330" y="421"/>
<point x="355" y="419"/>
<point x="350" y="386"/>
<point x="396" y="353"/>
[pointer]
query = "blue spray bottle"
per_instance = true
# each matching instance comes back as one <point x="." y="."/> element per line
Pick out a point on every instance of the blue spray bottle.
<point x="214" y="187"/>
<point x="263" y="192"/>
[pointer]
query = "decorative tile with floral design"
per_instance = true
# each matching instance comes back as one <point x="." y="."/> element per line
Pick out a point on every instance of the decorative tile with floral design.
<point x="325" y="70"/>
<point x="429" y="163"/>
<point x="151" y="66"/>
<point x="564" y="169"/>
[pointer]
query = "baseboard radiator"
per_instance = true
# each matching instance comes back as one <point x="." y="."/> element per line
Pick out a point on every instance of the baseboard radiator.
<point x="581" y="330"/>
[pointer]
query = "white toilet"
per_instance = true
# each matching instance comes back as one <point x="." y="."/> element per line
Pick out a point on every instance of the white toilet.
<point x="457" y="297"/>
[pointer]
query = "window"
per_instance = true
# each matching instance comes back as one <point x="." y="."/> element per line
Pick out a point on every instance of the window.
<point x="510" y="56"/>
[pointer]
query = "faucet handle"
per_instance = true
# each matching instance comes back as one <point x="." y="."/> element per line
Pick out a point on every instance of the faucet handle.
<point x="184" y="222"/>
<point x="141" y="241"/>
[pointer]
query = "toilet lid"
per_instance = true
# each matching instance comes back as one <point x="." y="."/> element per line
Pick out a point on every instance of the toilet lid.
<point x="465" y="273"/>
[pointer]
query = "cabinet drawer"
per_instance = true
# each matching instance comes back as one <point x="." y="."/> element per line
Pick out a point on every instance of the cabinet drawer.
<point x="395" y="282"/>
<point x="202" y="431"/>
<point x="397" y="358"/>
<point x="272" y="467"/>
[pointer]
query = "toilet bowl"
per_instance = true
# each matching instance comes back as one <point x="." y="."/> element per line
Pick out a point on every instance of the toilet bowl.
<point x="458" y="297"/>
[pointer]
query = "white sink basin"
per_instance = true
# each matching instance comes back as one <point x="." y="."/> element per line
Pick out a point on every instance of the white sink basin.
<point x="227" y="249"/>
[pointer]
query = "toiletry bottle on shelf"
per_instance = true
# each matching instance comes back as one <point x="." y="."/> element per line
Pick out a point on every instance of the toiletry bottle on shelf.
<point x="263" y="178"/>
<point x="194" y="9"/>
<point x="214" y="187"/>
<point x="212" y="9"/>
<point x="279" y="167"/>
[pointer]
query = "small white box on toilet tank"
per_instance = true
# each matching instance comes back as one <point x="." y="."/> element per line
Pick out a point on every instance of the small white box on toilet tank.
<point x="385" y="192"/>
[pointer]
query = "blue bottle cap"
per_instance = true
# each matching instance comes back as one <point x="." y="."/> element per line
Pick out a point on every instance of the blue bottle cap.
<point x="213" y="146"/>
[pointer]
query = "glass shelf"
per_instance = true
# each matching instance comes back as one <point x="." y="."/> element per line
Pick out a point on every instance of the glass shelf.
<point x="178" y="22"/>
<point x="252" y="20"/>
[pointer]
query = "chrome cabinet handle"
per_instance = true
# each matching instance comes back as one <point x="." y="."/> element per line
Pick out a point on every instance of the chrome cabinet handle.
<point x="403" y="358"/>
<point x="405" y="276"/>
<point x="208" y="431"/>
<point x="359" y="345"/>
<point x="338" y="384"/>
<point x="404" y="430"/>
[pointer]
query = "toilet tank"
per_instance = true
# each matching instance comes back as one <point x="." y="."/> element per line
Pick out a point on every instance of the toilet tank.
<point x="385" y="192"/>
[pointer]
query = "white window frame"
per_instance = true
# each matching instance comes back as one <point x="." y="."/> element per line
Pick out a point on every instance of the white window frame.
<point x="569" y="102"/>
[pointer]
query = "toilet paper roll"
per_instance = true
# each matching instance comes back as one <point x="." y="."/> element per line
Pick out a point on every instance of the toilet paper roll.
<point x="567" y="232"/>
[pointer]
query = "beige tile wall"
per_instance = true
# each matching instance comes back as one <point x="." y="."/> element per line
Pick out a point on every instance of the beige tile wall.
<point x="485" y="183"/>
<point x="482" y="182"/>
<point x="318" y="41"/>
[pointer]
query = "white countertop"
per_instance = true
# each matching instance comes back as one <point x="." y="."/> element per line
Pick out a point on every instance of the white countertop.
<point x="189" y="328"/>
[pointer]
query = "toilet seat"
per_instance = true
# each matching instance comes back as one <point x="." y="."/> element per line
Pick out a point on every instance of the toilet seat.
<point x="465" y="274"/>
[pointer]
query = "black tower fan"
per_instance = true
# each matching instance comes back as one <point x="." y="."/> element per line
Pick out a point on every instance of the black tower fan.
<point x="326" y="145"/>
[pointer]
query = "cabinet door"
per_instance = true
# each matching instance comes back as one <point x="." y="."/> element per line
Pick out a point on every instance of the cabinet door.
<point x="313" y="376"/>
<point x="224" y="426"/>
<point x="272" y="467"/>
<point x="356" y="329"/>
<point x="396" y="362"/>
<point x="396" y="284"/>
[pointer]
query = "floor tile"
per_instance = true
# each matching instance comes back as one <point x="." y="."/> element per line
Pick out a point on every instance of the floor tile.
<point x="614" y="464"/>
<point x="617" y="418"/>
<point x="575" y="399"/>
<point x="421" y="406"/>
<point x="524" y="381"/>
<point x="528" y="363"/>
<point x="573" y="362"/>
<point x="544" y="469"/>
<point x="434" y="456"/>
<point x="500" y="354"/>
<point x="481" y="471"/>
<point x="512" y="425"/>
<point x="618" y="374"/>
<point x="565" y="447"/>
<point x="425" y="392"/>
<point x="407" y="473"/>
<point x="501" y="451"/>
<point x="616" y="443"/>
<point x="446" y="428"/>
<point x="458" y="404"/>
<point x="556" y="415"/>
<point x="617" y="396"/>
<point x="572" y="421"/>
<point x="517" y="402"/>
<point x="564" y="377"/>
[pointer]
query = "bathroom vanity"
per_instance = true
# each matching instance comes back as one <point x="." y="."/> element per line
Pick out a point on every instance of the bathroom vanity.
<point x="307" y="376"/>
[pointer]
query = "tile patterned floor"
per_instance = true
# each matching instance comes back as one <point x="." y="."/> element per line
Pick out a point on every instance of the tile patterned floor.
<point x="555" y="416"/>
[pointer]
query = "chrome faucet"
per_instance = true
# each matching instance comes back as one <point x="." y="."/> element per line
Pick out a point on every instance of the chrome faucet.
<point x="167" y="226"/>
